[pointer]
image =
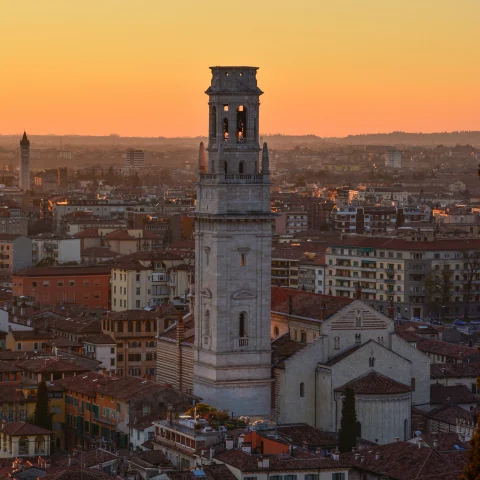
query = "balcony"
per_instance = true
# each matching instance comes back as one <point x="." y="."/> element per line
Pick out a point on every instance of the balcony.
<point x="389" y="280"/>
<point x="244" y="343"/>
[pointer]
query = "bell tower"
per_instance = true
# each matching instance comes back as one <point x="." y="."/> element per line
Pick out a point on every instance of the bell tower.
<point x="24" y="181"/>
<point x="233" y="230"/>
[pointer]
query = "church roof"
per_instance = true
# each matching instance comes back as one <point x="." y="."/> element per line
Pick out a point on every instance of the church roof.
<point x="306" y="304"/>
<point x="374" y="383"/>
<point x="283" y="348"/>
<point x="338" y="358"/>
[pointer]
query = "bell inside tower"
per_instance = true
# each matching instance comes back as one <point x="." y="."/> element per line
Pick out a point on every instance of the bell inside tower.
<point x="225" y="129"/>
<point x="241" y="124"/>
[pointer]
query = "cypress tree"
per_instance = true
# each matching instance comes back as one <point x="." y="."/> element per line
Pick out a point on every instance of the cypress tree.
<point x="348" y="426"/>
<point x="42" y="416"/>
<point x="472" y="470"/>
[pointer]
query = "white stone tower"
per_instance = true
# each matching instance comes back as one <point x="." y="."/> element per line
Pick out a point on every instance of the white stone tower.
<point x="233" y="231"/>
<point x="24" y="179"/>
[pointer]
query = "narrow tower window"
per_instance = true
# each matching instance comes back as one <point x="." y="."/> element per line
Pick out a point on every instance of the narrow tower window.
<point x="241" y="124"/>
<point x="213" y="122"/>
<point x="241" y="167"/>
<point x="242" y="325"/>
<point x="225" y="129"/>
<point x="206" y="326"/>
<point x="225" y="167"/>
<point x="302" y="389"/>
<point x="242" y="260"/>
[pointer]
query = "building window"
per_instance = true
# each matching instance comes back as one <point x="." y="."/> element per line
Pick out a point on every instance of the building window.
<point x="71" y="283"/>
<point x="412" y="383"/>
<point x="336" y="342"/>
<point x="358" y="321"/>
<point x="302" y="389"/>
<point x="242" y="327"/>
<point x="358" y="338"/>
<point x="120" y="327"/>
<point x="138" y="324"/>
<point x="130" y="326"/>
<point x="358" y="428"/>
<point x="371" y="362"/>
<point x="276" y="331"/>
<point x="303" y="337"/>
<point x="242" y="260"/>
<point x="19" y="346"/>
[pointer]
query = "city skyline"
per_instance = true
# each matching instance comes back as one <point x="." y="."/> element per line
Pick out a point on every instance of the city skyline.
<point x="330" y="70"/>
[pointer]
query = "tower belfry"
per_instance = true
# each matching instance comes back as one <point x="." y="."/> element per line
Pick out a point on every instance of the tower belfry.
<point x="233" y="229"/>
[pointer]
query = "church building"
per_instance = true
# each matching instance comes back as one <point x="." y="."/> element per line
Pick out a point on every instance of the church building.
<point x="272" y="352"/>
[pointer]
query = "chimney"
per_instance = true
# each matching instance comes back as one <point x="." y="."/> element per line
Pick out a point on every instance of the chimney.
<point x="435" y="443"/>
<point x="397" y="439"/>
<point x="377" y="456"/>
<point x="69" y="460"/>
<point x="362" y="459"/>
<point x="323" y="311"/>
<point x="357" y="457"/>
<point x="260" y="462"/>
<point x="229" y="443"/>
<point x="420" y="443"/>
<point x="266" y="462"/>
<point x="290" y="304"/>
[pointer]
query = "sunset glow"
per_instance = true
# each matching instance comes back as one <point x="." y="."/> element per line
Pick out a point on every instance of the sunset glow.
<point x="139" y="68"/>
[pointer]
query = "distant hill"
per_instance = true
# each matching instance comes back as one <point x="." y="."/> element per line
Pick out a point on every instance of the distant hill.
<point x="276" y="141"/>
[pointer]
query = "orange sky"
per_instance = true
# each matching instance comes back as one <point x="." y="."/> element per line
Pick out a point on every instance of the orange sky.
<point x="332" y="68"/>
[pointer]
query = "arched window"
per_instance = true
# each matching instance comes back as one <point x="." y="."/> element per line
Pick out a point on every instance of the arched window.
<point x="242" y="325"/>
<point x="148" y="326"/>
<point x="225" y="167"/>
<point x="130" y="326"/>
<point x="303" y="337"/>
<point x="138" y="326"/>
<point x="302" y="389"/>
<point x="336" y="343"/>
<point x="358" y="321"/>
<point x="371" y="362"/>
<point x="358" y="429"/>
<point x="120" y="327"/>
<point x="276" y="331"/>
<point x="412" y="383"/>
<point x="241" y="124"/>
<point x="225" y="129"/>
<point x="358" y="338"/>
<point x="241" y="167"/>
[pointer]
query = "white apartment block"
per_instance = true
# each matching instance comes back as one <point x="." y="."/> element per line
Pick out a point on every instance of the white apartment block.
<point x="393" y="159"/>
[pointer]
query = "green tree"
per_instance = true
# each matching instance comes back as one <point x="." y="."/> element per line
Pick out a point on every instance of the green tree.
<point x="348" y="425"/>
<point x="472" y="470"/>
<point x="438" y="290"/>
<point x="471" y="272"/>
<point x="42" y="416"/>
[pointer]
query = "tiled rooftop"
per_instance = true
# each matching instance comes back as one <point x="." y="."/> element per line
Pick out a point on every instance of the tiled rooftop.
<point x="375" y="383"/>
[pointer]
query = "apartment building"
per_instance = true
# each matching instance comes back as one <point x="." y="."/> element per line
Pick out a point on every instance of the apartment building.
<point x="399" y="272"/>
<point x="15" y="253"/>
<point x="87" y="286"/>
<point x="60" y="249"/>
<point x="311" y="274"/>
<point x="367" y="220"/>
<point x="135" y="335"/>
<point x="143" y="279"/>
<point x="290" y="223"/>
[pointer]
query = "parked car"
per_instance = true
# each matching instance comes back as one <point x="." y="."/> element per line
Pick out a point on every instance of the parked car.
<point x="417" y="319"/>
<point x="459" y="323"/>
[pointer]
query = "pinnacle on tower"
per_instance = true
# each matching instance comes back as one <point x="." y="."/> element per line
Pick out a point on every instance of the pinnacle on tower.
<point x="25" y="142"/>
<point x="265" y="160"/>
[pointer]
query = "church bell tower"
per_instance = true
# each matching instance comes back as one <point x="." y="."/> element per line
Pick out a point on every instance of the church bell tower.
<point x="233" y="230"/>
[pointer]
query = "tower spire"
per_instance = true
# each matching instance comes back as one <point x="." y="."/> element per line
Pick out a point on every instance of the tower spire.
<point x="265" y="160"/>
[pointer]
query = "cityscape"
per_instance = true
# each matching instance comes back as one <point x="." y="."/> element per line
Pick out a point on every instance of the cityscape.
<point x="212" y="301"/>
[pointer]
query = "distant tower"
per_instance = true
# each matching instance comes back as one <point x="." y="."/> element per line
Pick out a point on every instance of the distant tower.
<point x="24" y="181"/>
<point x="232" y="356"/>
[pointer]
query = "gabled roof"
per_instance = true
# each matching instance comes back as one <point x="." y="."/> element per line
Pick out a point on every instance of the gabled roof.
<point x="455" y="370"/>
<point x="440" y="394"/>
<point x="22" y="428"/>
<point x="119" y="235"/>
<point x="306" y="304"/>
<point x="374" y="383"/>
<point x="283" y="348"/>
<point x="88" y="233"/>
<point x="451" y="350"/>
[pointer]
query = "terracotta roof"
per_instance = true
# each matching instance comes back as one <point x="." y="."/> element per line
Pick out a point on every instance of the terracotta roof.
<point x="306" y="435"/>
<point x="22" y="428"/>
<point x="306" y="304"/>
<point x="119" y="235"/>
<point x="8" y="367"/>
<point x="387" y="243"/>
<point x="63" y="271"/>
<point x="94" y="457"/>
<point x="440" y="394"/>
<point x="302" y="461"/>
<point x="11" y="394"/>
<point x="406" y="461"/>
<point x="283" y="348"/>
<point x="374" y="383"/>
<point x="101" y="339"/>
<point x="38" y="365"/>
<point x="76" y="473"/>
<point x="87" y="233"/>
<point x="20" y="335"/>
<point x="100" y="252"/>
<point x="133" y="315"/>
<point x="151" y="458"/>
<point x="449" y="413"/>
<point x="455" y="370"/>
<point x="451" y="350"/>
